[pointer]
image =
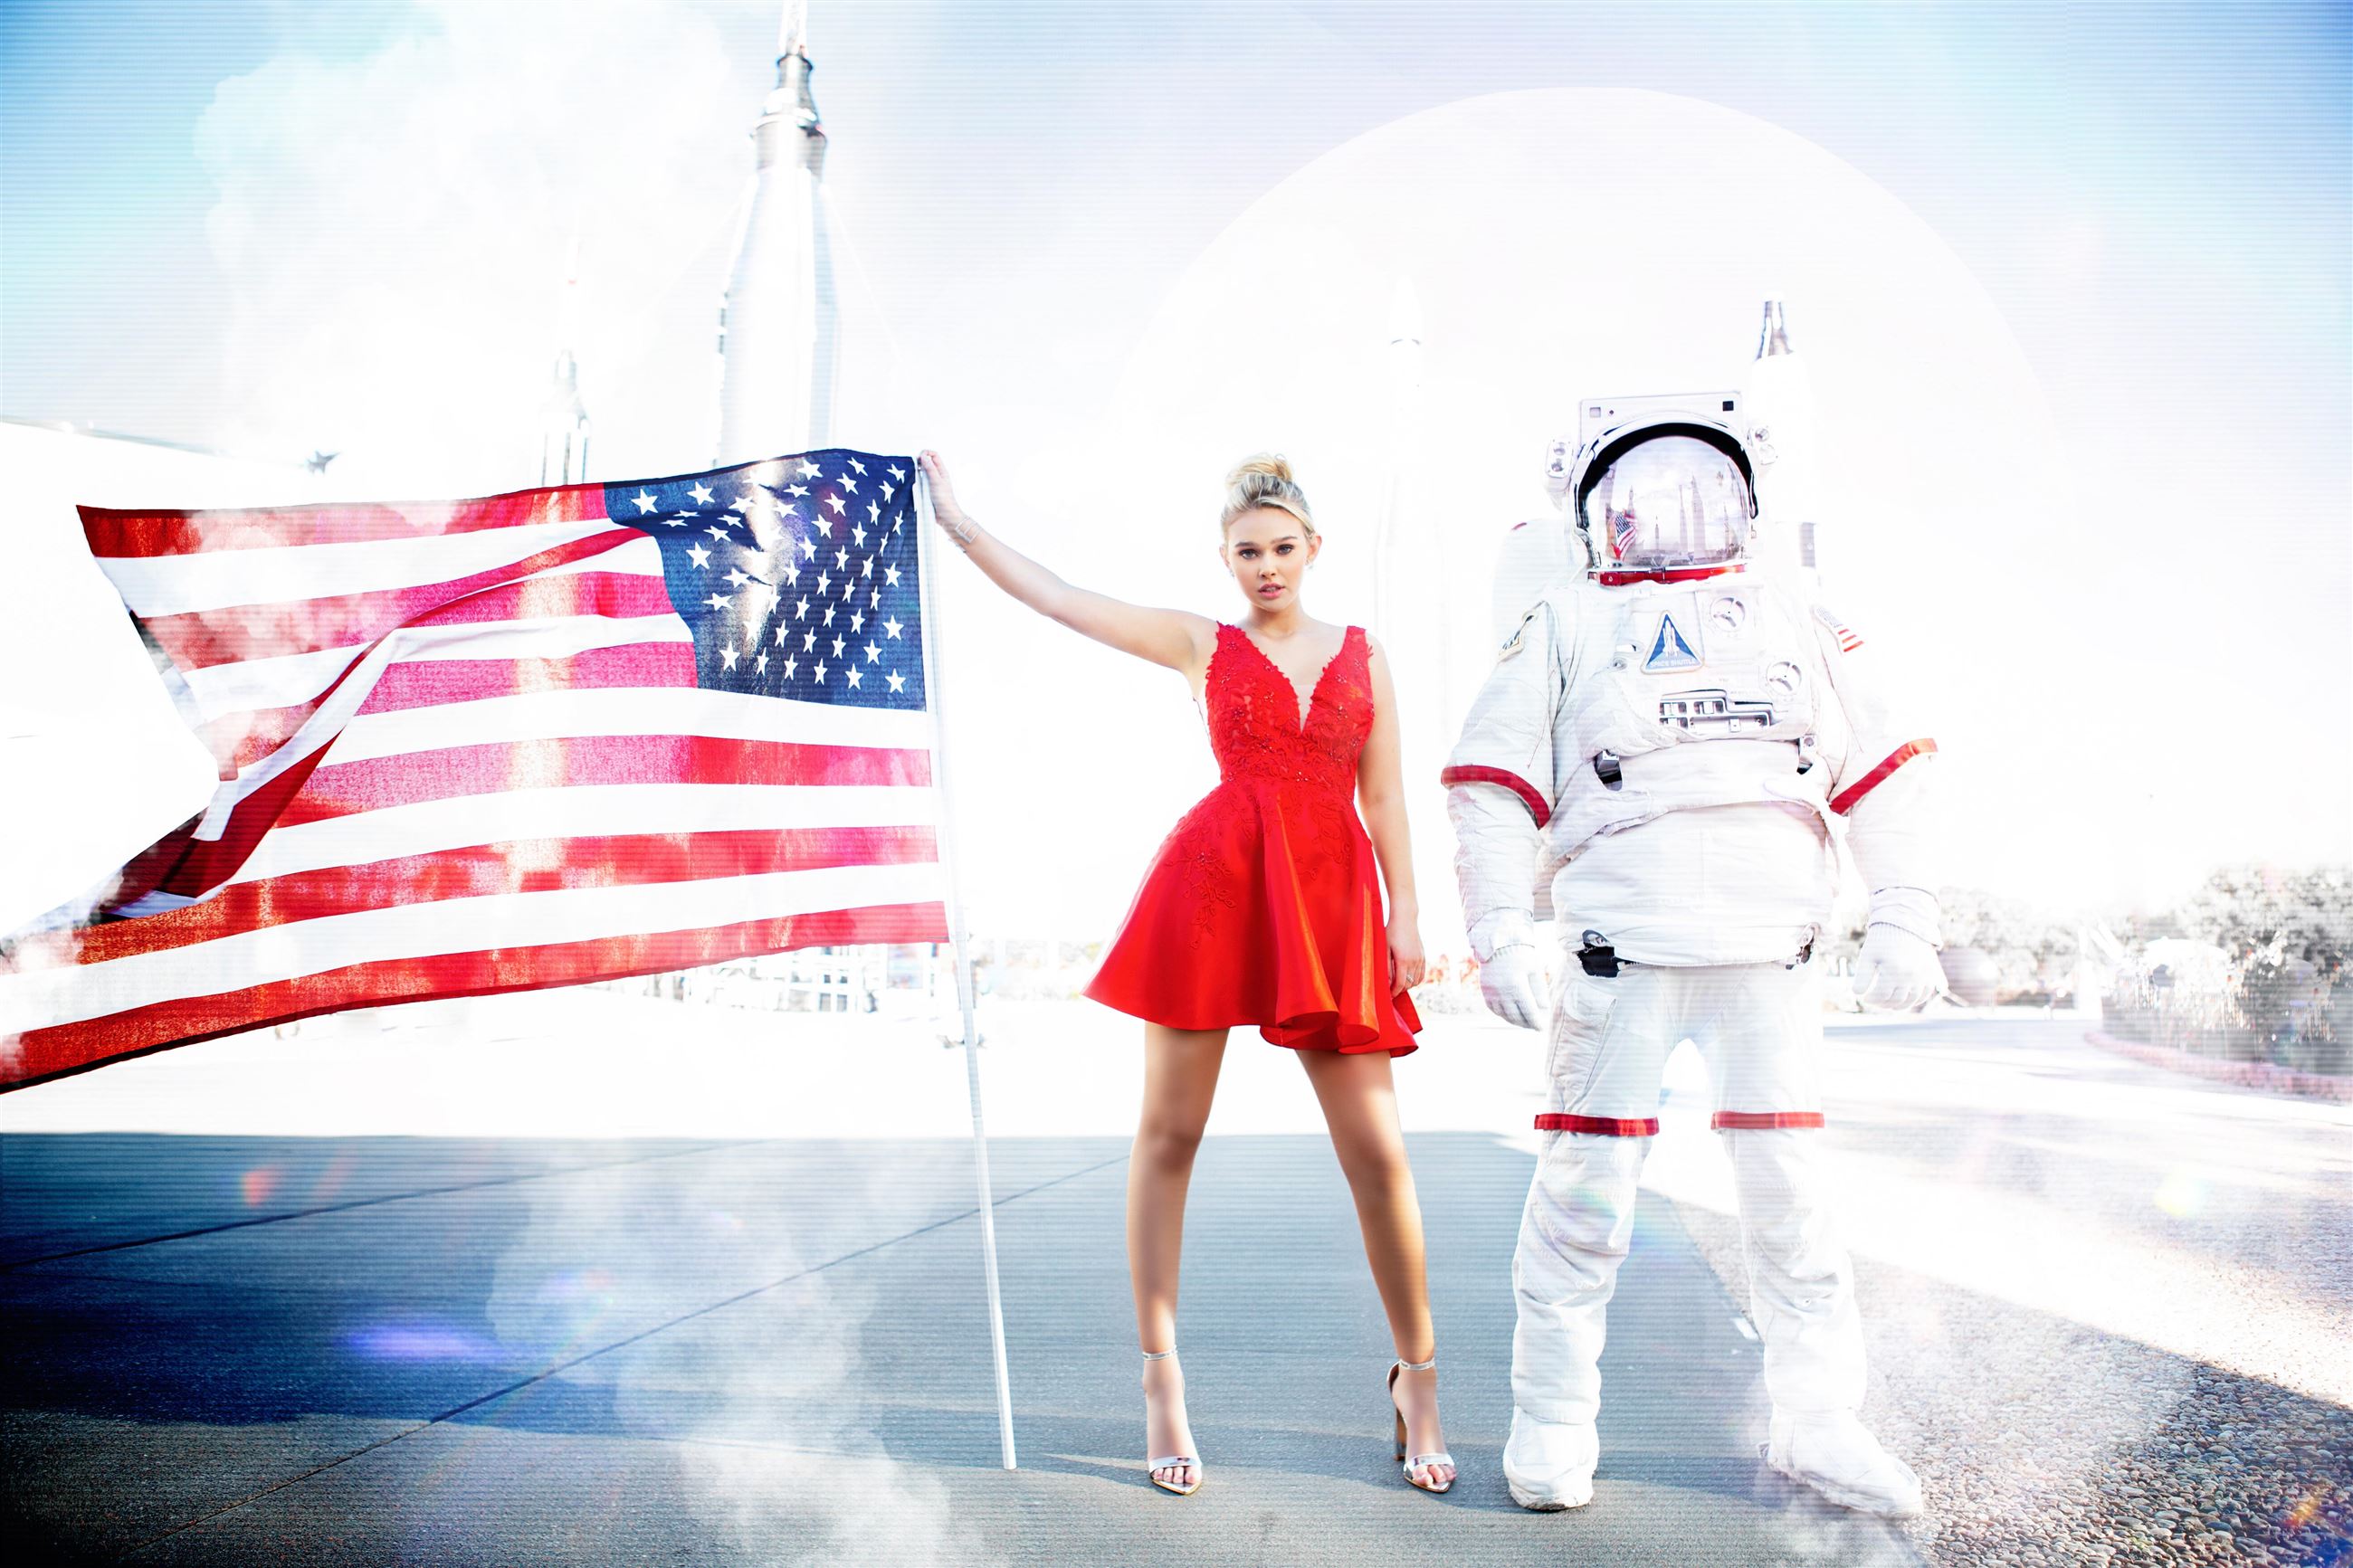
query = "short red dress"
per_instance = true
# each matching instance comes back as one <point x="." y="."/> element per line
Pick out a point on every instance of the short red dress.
<point x="1264" y="905"/>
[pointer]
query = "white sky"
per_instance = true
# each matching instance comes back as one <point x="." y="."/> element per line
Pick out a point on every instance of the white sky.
<point x="2082" y="417"/>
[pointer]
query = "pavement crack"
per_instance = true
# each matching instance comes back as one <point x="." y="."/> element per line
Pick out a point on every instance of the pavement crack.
<point x="566" y="1364"/>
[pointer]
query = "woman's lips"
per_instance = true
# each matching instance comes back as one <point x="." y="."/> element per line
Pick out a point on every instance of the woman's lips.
<point x="1269" y="590"/>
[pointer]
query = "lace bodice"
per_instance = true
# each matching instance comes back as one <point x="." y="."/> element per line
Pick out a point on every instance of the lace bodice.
<point x="1253" y="713"/>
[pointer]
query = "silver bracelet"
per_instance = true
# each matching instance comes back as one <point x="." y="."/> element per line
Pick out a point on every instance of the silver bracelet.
<point x="965" y="534"/>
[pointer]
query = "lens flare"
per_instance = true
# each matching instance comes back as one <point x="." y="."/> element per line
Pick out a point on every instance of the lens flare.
<point x="2181" y="1194"/>
<point x="257" y="1183"/>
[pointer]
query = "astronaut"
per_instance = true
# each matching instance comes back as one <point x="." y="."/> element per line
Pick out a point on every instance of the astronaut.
<point x="1656" y="760"/>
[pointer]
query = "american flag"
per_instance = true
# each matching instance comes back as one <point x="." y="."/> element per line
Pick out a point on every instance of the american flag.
<point x="549" y="737"/>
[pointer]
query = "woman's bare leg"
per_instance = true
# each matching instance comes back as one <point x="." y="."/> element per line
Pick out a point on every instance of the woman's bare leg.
<point x="1359" y="1103"/>
<point x="1180" y="1079"/>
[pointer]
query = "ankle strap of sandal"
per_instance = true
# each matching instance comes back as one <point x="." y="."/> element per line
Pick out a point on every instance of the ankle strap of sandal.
<point x="1418" y="1365"/>
<point x="1160" y="1356"/>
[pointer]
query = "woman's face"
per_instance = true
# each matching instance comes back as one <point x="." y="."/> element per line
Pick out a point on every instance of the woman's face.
<point x="1268" y="550"/>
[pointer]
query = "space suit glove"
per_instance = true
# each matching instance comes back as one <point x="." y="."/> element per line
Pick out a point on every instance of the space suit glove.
<point x="1898" y="970"/>
<point x="1512" y="977"/>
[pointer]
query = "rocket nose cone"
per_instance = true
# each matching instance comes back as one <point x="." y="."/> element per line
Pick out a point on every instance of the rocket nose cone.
<point x="1774" y="339"/>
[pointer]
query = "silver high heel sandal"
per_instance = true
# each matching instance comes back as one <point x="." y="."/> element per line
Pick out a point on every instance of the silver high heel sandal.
<point x="1171" y="1461"/>
<point x="1422" y="1462"/>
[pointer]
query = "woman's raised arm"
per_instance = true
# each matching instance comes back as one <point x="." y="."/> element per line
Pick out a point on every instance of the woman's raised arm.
<point x="1177" y="639"/>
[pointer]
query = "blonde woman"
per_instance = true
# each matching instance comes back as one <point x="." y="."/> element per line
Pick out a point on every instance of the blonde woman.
<point x="1263" y="907"/>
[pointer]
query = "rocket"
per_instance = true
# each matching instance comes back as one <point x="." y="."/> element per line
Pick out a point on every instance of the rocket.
<point x="1781" y="427"/>
<point x="780" y="325"/>
<point x="564" y="421"/>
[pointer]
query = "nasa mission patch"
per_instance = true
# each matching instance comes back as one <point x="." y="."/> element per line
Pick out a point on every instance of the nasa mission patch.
<point x="1669" y="649"/>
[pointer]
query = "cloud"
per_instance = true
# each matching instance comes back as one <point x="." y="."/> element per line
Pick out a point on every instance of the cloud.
<point x="394" y="230"/>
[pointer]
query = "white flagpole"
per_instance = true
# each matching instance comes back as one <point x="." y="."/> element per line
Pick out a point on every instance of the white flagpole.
<point x="927" y="557"/>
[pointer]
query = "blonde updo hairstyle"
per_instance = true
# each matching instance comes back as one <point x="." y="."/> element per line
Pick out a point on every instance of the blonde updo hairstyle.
<point x="1264" y="480"/>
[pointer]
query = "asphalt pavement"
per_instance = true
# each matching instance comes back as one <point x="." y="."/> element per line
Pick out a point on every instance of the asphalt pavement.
<point x="377" y="1349"/>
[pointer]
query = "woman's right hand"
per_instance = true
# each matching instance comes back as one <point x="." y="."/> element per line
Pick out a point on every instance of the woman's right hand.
<point x="944" y="510"/>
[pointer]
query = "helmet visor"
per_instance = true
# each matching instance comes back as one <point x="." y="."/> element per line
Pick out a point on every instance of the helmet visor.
<point x="1676" y="501"/>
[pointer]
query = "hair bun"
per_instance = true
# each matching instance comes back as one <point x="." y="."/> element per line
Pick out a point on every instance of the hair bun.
<point x="1255" y="471"/>
<point x="1264" y="480"/>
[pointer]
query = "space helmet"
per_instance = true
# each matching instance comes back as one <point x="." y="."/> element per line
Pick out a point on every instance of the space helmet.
<point x="1665" y="494"/>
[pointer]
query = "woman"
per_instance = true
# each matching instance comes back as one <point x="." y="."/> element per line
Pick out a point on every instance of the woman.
<point x="1263" y="907"/>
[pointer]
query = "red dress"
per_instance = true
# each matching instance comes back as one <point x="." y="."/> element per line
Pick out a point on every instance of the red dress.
<point x="1264" y="905"/>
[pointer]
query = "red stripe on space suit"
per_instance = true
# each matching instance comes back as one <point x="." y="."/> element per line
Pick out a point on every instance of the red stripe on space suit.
<point x="1763" y="1120"/>
<point x="1607" y="1126"/>
<point x="1539" y="808"/>
<point x="1843" y="802"/>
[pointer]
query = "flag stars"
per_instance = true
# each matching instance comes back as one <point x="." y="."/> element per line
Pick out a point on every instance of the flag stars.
<point x="792" y="575"/>
<point x="853" y="674"/>
<point x="717" y="531"/>
<point x="735" y="578"/>
<point x="645" y="502"/>
<point x="857" y="466"/>
<point x="809" y="549"/>
<point x="700" y="557"/>
<point x="760" y="664"/>
<point x="702" y="493"/>
<point x="866" y="567"/>
<point x="858" y="536"/>
<point x="801" y="611"/>
<point x="846" y="482"/>
<point x="797" y="490"/>
<point x="790" y="664"/>
<point x="889" y="576"/>
<point x="808" y="642"/>
<point x="829" y="614"/>
<point x="892" y="627"/>
<point x="874" y="598"/>
<point x="897" y="472"/>
<point x="836" y="502"/>
<point x="856" y="620"/>
<point x="818" y="673"/>
<point x="681" y="520"/>
<point x="720" y="601"/>
<point x="808" y="470"/>
<point x="898" y="682"/>
<point x="873" y="653"/>
<point x="841" y="559"/>
<point x="824" y="524"/>
<point x="726" y="659"/>
<point x="780" y="633"/>
<point x="887" y="490"/>
<point x="836" y="648"/>
<point x="824" y="582"/>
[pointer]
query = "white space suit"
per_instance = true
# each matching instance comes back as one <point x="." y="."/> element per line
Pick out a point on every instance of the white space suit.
<point x="1658" y="755"/>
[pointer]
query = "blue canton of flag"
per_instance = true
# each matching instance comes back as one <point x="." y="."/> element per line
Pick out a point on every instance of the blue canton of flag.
<point x="796" y="576"/>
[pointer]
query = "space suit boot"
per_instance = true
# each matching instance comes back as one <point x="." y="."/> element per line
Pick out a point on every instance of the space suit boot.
<point x="1548" y="1465"/>
<point x="1836" y="1455"/>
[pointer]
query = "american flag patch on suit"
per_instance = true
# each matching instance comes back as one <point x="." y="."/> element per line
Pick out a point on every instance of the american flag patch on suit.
<point x="544" y="738"/>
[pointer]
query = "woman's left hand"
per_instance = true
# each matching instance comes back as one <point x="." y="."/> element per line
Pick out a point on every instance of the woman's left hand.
<point x="1407" y="966"/>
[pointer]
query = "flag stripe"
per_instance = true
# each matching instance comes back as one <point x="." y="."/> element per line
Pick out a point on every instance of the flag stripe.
<point x="535" y="864"/>
<point x="118" y="532"/>
<point x="628" y="710"/>
<point x="66" y="994"/>
<point x="259" y="684"/>
<point x="242" y="739"/>
<point x="342" y="789"/>
<point x="605" y="809"/>
<point x="189" y="585"/>
<point x="52" y="1052"/>
<point x="263" y="631"/>
<point x="422" y="683"/>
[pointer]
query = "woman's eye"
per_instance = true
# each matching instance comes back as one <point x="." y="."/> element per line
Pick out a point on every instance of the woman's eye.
<point x="1282" y="550"/>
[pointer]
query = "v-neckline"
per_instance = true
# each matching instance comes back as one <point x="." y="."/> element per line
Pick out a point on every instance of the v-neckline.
<point x="1307" y="714"/>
